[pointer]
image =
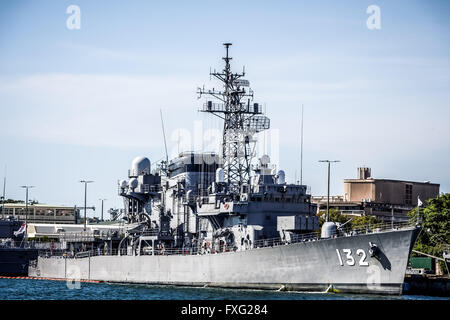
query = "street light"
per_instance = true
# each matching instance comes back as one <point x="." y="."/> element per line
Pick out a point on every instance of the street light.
<point x="85" y="193"/>
<point x="102" y="206"/>
<point x="328" y="195"/>
<point x="26" y="201"/>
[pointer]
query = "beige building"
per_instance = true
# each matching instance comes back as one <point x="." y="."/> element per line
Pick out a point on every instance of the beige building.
<point x="41" y="213"/>
<point x="386" y="199"/>
<point x="387" y="191"/>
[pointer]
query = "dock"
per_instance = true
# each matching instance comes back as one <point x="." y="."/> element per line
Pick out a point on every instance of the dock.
<point x="427" y="285"/>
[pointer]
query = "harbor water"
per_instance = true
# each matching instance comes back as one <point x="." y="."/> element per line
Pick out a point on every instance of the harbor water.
<point x="33" y="289"/>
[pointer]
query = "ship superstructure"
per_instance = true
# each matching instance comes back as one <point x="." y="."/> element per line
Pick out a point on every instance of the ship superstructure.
<point x="221" y="199"/>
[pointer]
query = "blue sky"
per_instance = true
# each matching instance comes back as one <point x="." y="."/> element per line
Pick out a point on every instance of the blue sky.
<point x="81" y="104"/>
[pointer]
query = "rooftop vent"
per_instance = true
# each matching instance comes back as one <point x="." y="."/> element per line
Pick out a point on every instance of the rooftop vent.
<point x="364" y="173"/>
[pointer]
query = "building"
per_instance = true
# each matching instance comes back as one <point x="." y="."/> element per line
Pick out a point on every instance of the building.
<point x="403" y="193"/>
<point x="385" y="199"/>
<point x="41" y="213"/>
<point x="73" y="231"/>
<point x="337" y="202"/>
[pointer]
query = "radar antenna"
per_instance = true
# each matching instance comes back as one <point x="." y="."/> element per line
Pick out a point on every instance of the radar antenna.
<point x="241" y="122"/>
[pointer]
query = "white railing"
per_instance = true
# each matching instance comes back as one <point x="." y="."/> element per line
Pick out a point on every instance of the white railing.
<point x="344" y="232"/>
<point x="206" y="249"/>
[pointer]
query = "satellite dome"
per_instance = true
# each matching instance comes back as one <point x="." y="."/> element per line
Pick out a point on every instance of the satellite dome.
<point x="265" y="159"/>
<point x="281" y="177"/>
<point x="133" y="183"/>
<point x="139" y="166"/>
<point x="123" y="183"/>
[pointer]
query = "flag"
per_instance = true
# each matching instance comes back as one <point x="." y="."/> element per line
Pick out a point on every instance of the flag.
<point x="21" y="230"/>
<point x="419" y="203"/>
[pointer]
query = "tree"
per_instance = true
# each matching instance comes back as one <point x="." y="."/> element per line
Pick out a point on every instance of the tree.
<point x="335" y="215"/>
<point x="356" y="222"/>
<point x="359" y="222"/>
<point x="435" y="218"/>
<point x="14" y="201"/>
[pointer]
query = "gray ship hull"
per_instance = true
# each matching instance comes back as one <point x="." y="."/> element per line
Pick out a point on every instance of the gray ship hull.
<point x="341" y="264"/>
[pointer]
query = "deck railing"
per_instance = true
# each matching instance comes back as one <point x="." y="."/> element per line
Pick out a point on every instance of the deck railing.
<point x="340" y="232"/>
<point x="207" y="249"/>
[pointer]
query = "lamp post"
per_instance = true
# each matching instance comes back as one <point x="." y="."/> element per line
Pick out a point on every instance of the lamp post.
<point x="26" y="201"/>
<point x="328" y="194"/>
<point x="102" y="206"/>
<point x="85" y="194"/>
<point x="3" y="198"/>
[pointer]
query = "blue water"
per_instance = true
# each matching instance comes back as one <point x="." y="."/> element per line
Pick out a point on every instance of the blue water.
<point x="30" y="289"/>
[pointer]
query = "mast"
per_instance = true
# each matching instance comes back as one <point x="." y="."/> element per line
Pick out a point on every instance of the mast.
<point x="4" y="195"/>
<point x="241" y="122"/>
<point x="164" y="136"/>
<point x="301" y="152"/>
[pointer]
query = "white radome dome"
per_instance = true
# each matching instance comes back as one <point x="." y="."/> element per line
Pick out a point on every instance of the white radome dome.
<point x="265" y="159"/>
<point x="140" y="165"/>
<point x="133" y="183"/>
<point x="123" y="184"/>
<point x="281" y="177"/>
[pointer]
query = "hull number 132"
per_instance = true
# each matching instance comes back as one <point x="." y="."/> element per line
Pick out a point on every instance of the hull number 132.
<point x="349" y="259"/>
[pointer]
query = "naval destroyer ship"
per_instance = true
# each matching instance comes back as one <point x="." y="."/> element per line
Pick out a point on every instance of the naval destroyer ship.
<point x="232" y="220"/>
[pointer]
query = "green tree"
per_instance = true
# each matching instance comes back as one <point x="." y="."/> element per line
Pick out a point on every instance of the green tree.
<point x="14" y="201"/>
<point x="356" y="222"/>
<point x="359" y="222"/>
<point x="335" y="215"/>
<point x="435" y="218"/>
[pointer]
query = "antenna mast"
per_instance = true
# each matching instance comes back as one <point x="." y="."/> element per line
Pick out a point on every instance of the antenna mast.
<point x="164" y="136"/>
<point x="4" y="195"/>
<point x="301" y="152"/>
<point x="241" y="122"/>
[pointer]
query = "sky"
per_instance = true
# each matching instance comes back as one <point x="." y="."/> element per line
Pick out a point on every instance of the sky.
<point x="82" y="103"/>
